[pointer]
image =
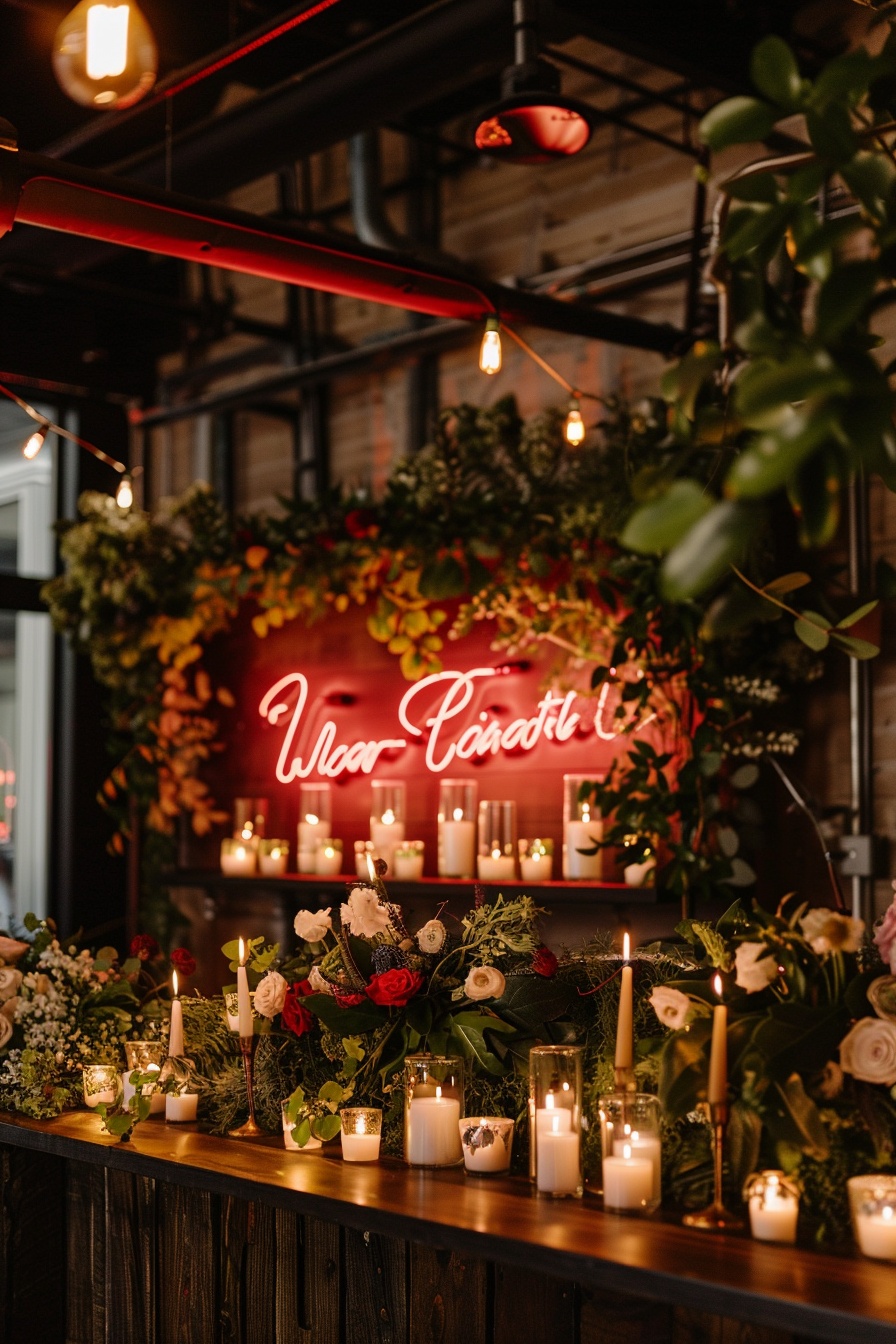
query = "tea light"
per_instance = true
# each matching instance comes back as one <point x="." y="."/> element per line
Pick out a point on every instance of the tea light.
<point x="487" y="1142"/>
<point x="628" y="1180"/>
<point x="536" y="860"/>
<point x="361" y="1131"/>
<point x="181" y="1107"/>
<point x="102" y="1085"/>
<point x="273" y="856"/>
<point x="553" y="1118"/>
<point x="407" y="861"/>
<point x="557" y="1167"/>
<point x="433" y="1137"/>
<point x="774" y="1204"/>
<point x="328" y="859"/>
<point x="496" y="867"/>
<point x="237" y="857"/>
<point x="872" y="1202"/>
<point x="288" y="1141"/>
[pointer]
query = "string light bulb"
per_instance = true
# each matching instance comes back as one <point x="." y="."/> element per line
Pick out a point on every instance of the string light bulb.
<point x="490" y="349"/>
<point x="104" y="55"/>
<point x="124" y="495"/>
<point x="33" y="444"/>
<point x="574" y="426"/>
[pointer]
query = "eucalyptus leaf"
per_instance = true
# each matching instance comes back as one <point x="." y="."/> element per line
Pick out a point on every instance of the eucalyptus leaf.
<point x="812" y="629"/>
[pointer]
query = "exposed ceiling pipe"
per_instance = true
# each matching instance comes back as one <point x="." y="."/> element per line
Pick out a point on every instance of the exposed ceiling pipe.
<point x="57" y="196"/>
<point x="371" y="222"/>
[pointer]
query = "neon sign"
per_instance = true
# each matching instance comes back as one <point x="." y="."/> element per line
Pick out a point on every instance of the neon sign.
<point x="443" y="726"/>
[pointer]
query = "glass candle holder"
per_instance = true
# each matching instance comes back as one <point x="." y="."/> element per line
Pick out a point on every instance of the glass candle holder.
<point x="496" y="860"/>
<point x="362" y="1127"/>
<point x="630" y="1127"/>
<point x="250" y="816"/>
<point x="433" y="1102"/>
<point x="328" y="857"/>
<point x="181" y="1108"/>
<point x="774" y="1203"/>
<point x="388" y="813"/>
<point x="582" y="829"/>
<point x="315" y="822"/>
<point x="148" y="1057"/>
<point x="638" y="860"/>
<point x="487" y="1141"/>
<point x="362" y="849"/>
<point x="872" y="1204"/>
<point x="457" y="827"/>
<point x="407" y="861"/>
<point x="238" y="857"/>
<point x="289" y="1142"/>
<point x="102" y="1083"/>
<point x="536" y="860"/>
<point x="273" y="857"/>
<point x="555" y="1120"/>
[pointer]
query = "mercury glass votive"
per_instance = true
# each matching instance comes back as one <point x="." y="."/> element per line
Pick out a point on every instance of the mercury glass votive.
<point x="555" y="1120"/>
<point x="774" y="1203"/>
<point x="487" y="1141"/>
<point x="362" y="1127"/>
<point x="315" y="822"/>
<point x="328" y="857"/>
<point x="147" y="1057"/>
<point x="631" y="1150"/>
<point x="433" y="1101"/>
<point x="102" y="1083"/>
<point x="496" y="860"/>
<point x="872" y="1204"/>
<point x="273" y="857"/>
<point x="457" y="827"/>
<point x="238" y="857"/>
<point x="536" y="860"/>
<point x="407" y="861"/>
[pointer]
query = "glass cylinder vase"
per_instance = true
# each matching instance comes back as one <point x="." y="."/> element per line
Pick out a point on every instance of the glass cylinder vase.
<point x="457" y="827"/>
<point x="631" y="1150"/>
<point x="582" y="830"/>
<point x="250" y="817"/>
<point x="388" y="814"/>
<point x="496" y="860"/>
<point x="555" y="1120"/>
<point x="433" y="1105"/>
<point x="315" y="822"/>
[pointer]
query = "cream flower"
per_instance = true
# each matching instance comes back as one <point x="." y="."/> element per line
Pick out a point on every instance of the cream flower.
<point x="318" y="981"/>
<point x="270" y="994"/>
<point x="828" y="931"/>
<point x="882" y="997"/>
<point x="9" y="1008"/>
<point x="11" y="948"/>
<point x="5" y="1030"/>
<point x="670" y="1005"/>
<point x="431" y="938"/>
<point x="484" y="982"/>
<point x="10" y="980"/>
<point x="885" y="936"/>
<point x="313" y="925"/>
<point x="42" y="984"/>
<point x="868" y="1051"/>
<point x="756" y="967"/>
<point x="363" y="914"/>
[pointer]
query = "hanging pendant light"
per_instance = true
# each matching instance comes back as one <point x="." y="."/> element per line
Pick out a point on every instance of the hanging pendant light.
<point x="33" y="444"/>
<point x="533" y="122"/>
<point x="104" y="55"/>
<point x="574" y="425"/>
<point x="490" y="347"/>
<point x="124" y="495"/>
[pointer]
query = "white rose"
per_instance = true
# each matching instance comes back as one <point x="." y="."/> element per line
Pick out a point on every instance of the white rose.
<point x="828" y="931"/>
<point x="670" y="1005"/>
<point x="882" y="997"/>
<point x="318" y="981"/>
<point x="756" y="967"/>
<point x="431" y="938"/>
<point x="363" y="915"/>
<point x="5" y="1030"/>
<point x="868" y="1051"/>
<point x="313" y="925"/>
<point x="10" y="980"/>
<point x="271" y="994"/>
<point x="484" y="982"/>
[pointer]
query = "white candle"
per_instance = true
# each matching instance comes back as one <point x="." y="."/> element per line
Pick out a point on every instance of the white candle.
<point x="557" y="1161"/>
<point x="773" y="1214"/>
<point x="433" y="1138"/>
<point x="552" y="1118"/>
<point x="176" y="1029"/>
<point x="407" y="867"/>
<point x="237" y="860"/>
<point x="628" y="1180"/>
<point x="639" y="874"/>
<point x="537" y="867"/>
<point x="385" y="833"/>
<point x="457" y="846"/>
<point x="273" y="862"/>
<point x="289" y="1142"/>
<point x="360" y="1147"/>
<point x="244" y="1003"/>
<point x="877" y="1234"/>
<point x="328" y="861"/>
<point x="311" y="830"/>
<point x="582" y="835"/>
<point x="624" y="1023"/>
<point x="717" y="1091"/>
<point x="496" y="867"/>
<point x="644" y="1145"/>
<point x="181" y="1108"/>
<point x="494" y="1156"/>
<point x="107" y="1095"/>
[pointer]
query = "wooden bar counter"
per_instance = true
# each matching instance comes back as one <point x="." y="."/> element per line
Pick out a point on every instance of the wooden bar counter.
<point x="179" y="1237"/>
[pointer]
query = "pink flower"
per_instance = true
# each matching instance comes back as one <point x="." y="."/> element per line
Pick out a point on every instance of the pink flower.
<point x="885" y="936"/>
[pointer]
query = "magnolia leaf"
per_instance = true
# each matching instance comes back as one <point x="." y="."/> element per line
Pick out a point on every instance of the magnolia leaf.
<point x="656" y="526"/>
<point x="742" y="1141"/>
<point x="831" y="133"/>
<point x="798" y="1123"/>
<point x="861" y="649"/>
<point x="330" y="1091"/>
<point x="814" y="494"/>
<point x="787" y="583"/>
<point x="812" y="629"/>
<point x="685" y="381"/>
<point x="326" y="1127"/>
<point x="711" y="546"/>
<point x="468" y="1041"/>
<point x="766" y="390"/>
<point x="529" y="1001"/>
<point x="359" y="1018"/>
<point x="737" y="121"/>
<point x="855" y="616"/>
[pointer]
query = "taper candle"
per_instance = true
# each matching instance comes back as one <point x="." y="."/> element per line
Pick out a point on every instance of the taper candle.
<point x="244" y="1003"/>
<point x="176" y="1030"/>
<point x="717" y="1092"/>
<point x="624" y="1028"/>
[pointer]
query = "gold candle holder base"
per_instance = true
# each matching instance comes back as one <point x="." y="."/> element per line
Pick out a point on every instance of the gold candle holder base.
<point x="250" y="1130"/>
<point x="715" y="1217"/>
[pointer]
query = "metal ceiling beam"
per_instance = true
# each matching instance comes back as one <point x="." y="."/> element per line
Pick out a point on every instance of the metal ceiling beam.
<point x="57" y="196"/>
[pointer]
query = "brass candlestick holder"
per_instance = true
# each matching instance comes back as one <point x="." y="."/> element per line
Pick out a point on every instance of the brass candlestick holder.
<point x="250" y="1129"/>
<point x="715" y="1217"/>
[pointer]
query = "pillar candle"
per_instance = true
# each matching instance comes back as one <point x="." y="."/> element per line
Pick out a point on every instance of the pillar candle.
<point x="311" y="830"/>
<point x="876" y="1233"/>
<point x="557" y="1160"/>
<point x="244" y="1003"/>
<point x="582" y="835"/>
<point x="649" y="1147"/>
<point x="407" y="864"/>
<point x="552" y="1118"/>
<point x="536" y="867"/>
<point x="182" y="1107"/>
<point x="496" y="867"/>
<point x="718" y="1059"/>
<point x="176" y="1030"/>
<point x="360" y="1147"/>
<point x="385" y="833"/>
<point x="433" y="1134"/>
<point x="457" y="847"/>
<point x="628" y="1180"/>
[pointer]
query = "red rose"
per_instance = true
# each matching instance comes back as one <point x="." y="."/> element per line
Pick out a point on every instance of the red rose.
<point x="544" y="962"/>
<point x="347" y="1000"/>
<point x="394" y="988"/>
<point x="360" y="523"/>
<point x="183" y="962"/>
<point x="144" y="946"/>
<point x="295" y="1016"/>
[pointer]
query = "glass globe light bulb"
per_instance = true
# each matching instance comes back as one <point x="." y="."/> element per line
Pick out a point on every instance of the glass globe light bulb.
<point x="124" y="495"/>
<point x="34" y="443"/>
<point x="574" y="428"/>
<point x="490" y="349"/>
<point x="104" y="55"/>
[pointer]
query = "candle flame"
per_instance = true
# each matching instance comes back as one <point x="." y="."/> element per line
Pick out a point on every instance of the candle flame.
<point x="886" y="1213"/>
<point x="370" y="868"/>
<point x="246" y="832"/>
<point x="549" y="1102"/>
<point x="496" y="853"/>
<point x="586" y="812"/>
<point x="626" y="1152"/>
<point x="311" y="819"/>
<point x="388" y="817"/>
<point x="275" y="852"/>
<point x="458" y="814"/>
<point x="535" y="855"/>
<point x="438" y="1092"/>
<point x="626" y="947"/>
<point x="329" y="851"/>
<point x="242" y="957"/>
<point x="626" y="1129"/>
<point x="240" y="851"/>
<point x="555" y="1124"/>
<point x="174" y="982"/>
<point x="717" y="985"/>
